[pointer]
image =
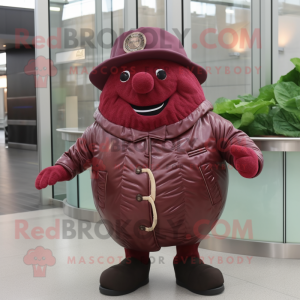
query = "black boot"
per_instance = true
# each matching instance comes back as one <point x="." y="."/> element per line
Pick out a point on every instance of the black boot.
<point x="199" y="278"/>
<point x="124" y="278"/>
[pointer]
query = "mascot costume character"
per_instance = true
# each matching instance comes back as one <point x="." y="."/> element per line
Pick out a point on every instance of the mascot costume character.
<point x="157" y="153"/>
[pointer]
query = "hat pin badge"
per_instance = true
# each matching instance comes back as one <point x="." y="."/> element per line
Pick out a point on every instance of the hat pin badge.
<point x="134" y="42"/>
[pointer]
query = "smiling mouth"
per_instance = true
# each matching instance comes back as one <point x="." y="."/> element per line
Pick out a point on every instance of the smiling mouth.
<point x="150" y="110"/>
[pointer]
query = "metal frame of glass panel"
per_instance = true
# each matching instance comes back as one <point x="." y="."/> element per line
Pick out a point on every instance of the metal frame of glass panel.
<point x="43" y="99"/>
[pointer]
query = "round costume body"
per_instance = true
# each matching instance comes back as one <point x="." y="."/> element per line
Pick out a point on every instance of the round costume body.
<point x="187" y="160"/>
<point x="190" y="176"/>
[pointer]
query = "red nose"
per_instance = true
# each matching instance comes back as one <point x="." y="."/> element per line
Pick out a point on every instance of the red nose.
<point x="142" y="83"/>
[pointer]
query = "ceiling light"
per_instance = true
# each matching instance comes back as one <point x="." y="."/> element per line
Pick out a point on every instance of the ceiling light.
<point x="4" y="46"/>
<point x="54" y="8"/>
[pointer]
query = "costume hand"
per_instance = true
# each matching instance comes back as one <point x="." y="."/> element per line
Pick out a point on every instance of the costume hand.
<point x="245" y="161"/>
<point x="50" y="176"/>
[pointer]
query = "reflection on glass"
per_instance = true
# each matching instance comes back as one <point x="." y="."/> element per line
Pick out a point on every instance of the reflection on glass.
<point x="75" y="52"/>
<point x="203" y="9"/>
<point x="292" y="197"/>
<point x="78" y="9"/>
<point x="18" y="3"/>
<point x="288" y="34"/>
<point x="221" y="43"/>
<point x="230" y="15"/>
<point x="151" y="13"/>
<point x="118" y="17"/>
<point x="254" y="209"/>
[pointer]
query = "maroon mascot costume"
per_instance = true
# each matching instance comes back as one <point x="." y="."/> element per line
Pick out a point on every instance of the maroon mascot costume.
<point x="158" y="156"/>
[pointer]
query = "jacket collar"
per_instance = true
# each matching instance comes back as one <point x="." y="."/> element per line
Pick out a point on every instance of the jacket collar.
<point x="161" y="133"/>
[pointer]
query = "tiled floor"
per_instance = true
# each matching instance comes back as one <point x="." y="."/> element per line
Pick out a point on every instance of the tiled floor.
<point x="262" y="278"/>
<point x="18" y="170"/>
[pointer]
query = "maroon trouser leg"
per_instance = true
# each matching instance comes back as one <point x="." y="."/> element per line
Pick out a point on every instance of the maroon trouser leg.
<point x="183" y="252"/>
<point x="140" y="255"/>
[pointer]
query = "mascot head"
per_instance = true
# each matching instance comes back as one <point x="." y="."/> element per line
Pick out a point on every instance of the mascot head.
<point x="148" y="82"/>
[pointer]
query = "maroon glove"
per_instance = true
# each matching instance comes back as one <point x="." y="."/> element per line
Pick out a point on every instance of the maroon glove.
<point x="245" y="161"/>
<point x="51" y="175"/>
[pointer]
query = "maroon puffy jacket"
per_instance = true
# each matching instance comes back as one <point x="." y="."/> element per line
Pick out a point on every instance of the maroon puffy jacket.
<point x="187" y="193"/>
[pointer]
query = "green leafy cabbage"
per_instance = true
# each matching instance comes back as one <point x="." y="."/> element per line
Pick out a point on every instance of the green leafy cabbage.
<point x="276" y="111"/>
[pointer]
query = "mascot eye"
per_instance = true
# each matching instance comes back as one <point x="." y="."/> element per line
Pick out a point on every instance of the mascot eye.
<point x="161" y="74"/>
<point x="125" y="76"/>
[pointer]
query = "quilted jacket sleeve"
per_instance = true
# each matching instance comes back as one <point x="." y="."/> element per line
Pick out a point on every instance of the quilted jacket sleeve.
<point x="227" y="135"/>
<point x="79" y="157"/>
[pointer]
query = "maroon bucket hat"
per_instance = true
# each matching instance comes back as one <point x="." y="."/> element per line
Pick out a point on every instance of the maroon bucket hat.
<point x="144" y="43"/>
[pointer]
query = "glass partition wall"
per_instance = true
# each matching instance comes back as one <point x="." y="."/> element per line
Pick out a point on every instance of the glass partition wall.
<point x="222" y="36"/>
<point x="87" y="29"/>
<point x="226" y="39"/>
<point x="288" y="35"/>
<point x="72" y="95"/>
<point x="220" y="31"/>
<point x="151" y="13"/>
